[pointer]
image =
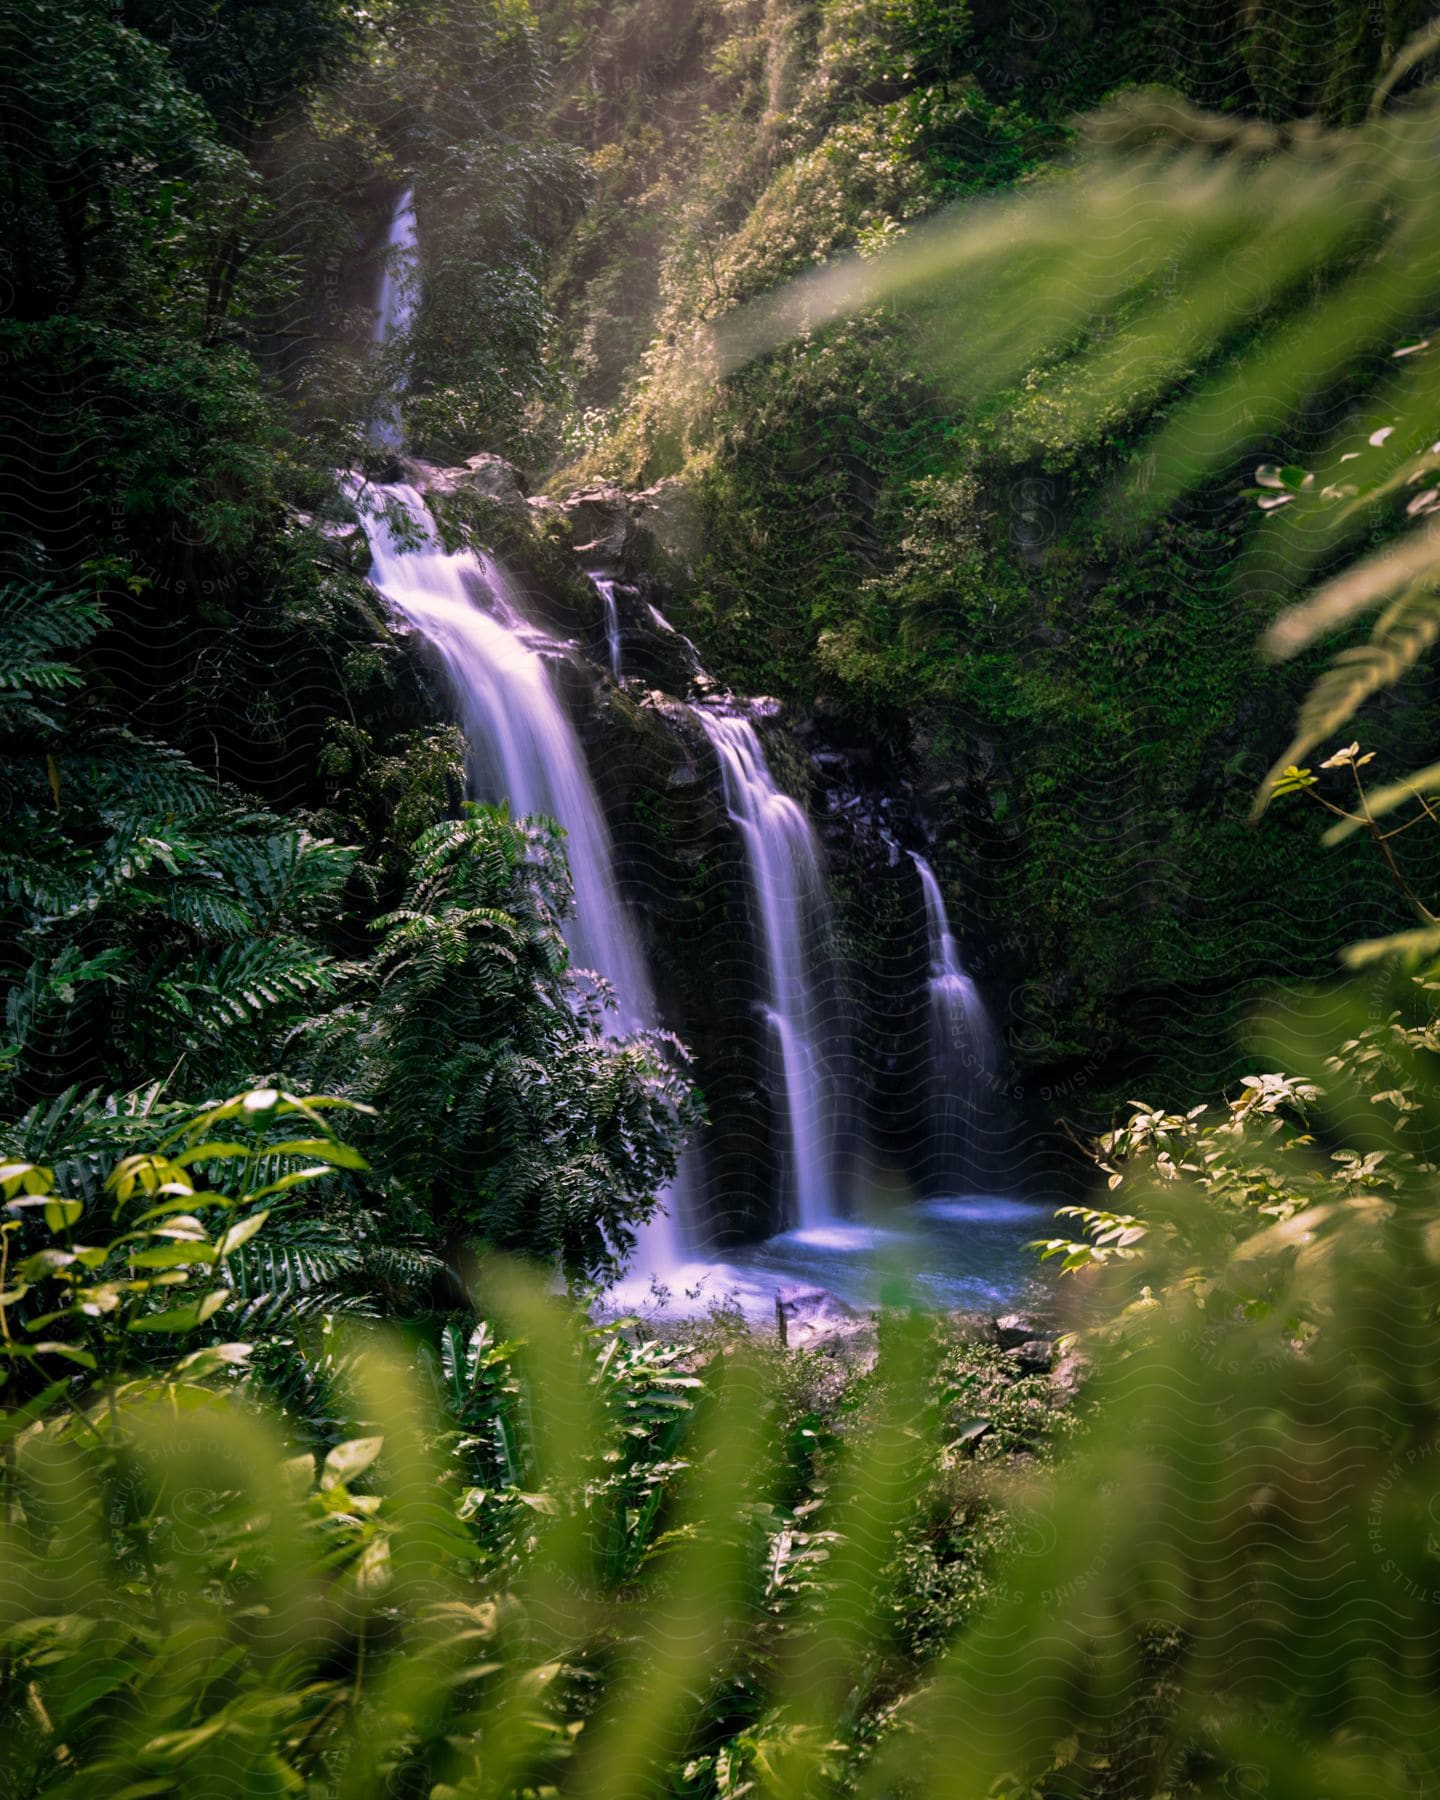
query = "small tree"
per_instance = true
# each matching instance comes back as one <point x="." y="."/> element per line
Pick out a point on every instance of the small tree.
<point x="542" y="1134"/>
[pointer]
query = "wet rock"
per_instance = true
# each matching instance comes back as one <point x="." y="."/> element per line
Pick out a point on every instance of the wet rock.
<point x="1015" y="1329"/>
<point x="655" y="530"/>
<point x="966" y="1326"/>
<point x="671" y="516"/>
<point x="602" y="523"/>
<point x="1071" y="1373"/>
<point x="815" y="1319"/>
<point x="487" y="476"/>
<point x="493" y="479"/>
<point x="1034" y="1357"/>
<point x="347" y="545"/>
<point x="804" y="1314"/>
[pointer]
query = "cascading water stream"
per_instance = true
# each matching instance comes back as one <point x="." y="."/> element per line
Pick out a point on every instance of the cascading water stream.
<point x="792" y="908"/>
<point x="604" y="585"/>
<point x="525" y="750"/>
<point x="523" y="747"/>
<point x="960" y="1041"/>
<point x="394" y="312"/>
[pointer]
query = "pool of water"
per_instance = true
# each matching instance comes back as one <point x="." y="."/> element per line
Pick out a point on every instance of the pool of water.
<point x="967" y="1253"/>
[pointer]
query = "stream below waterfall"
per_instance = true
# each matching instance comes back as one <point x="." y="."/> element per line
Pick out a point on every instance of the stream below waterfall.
<point x="513" y="684"/>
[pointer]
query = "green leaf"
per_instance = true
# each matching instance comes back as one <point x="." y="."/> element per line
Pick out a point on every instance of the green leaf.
<point x="175" y="1256"/>
<point x="45" y="1262"/>
<point x="12" y="1423"/>
<point x="239" y="1234"/>
<point x="217" y="1151"/>
<point x="27" y="1178"/>
<point x="296" y="1178"/>
<point x="970" y="1432"/>
<point x="71" y="1352"/>
<point x="60" y="1214"/>
<point x="348" y="1459"/>
<point x="329" y="1150"/>
<point x="200" y="1363"/>
<point x="183" y="1318"/>
<point x="1292" y="780"/>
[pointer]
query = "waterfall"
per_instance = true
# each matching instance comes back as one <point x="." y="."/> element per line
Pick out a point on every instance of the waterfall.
<point x="395" y="310"/>
<point x="524" y="750"/>
<point x="523" y="747"/>
<point x="605" y="587"/>
<point x="792" y="907"/>
<point x="960" y="1043"/>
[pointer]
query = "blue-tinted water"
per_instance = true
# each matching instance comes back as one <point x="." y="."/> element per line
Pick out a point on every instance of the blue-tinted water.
<point x="963" y="1254"/>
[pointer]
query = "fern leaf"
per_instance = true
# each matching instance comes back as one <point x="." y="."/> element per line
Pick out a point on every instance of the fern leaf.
<point x="1404" y="633"/>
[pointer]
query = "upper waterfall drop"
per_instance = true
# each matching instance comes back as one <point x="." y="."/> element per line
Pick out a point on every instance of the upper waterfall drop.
<point x="395" y="311"/>
<point x="522" y="745"/>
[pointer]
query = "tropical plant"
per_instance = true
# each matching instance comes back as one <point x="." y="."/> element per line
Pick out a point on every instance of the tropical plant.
<point x="150" y="922"/>
<point x="105" y="1289"/>
<point x="567" y="1559"/>
<point x="544" y="1134"/>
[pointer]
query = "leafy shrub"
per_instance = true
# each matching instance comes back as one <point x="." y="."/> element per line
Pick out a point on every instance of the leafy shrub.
<point x="543" y="1133"/>
<point x="556" y="1554"/>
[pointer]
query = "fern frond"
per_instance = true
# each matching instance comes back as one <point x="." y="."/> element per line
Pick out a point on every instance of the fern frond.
<point x="213" y="994"/>
<point x="1405" y="631"/>
<point x="273" y="1280"/>
<point x="80" y="1134"/>
<point x="283" y="875"/>
<point x="132" y="777"/>
<point x="36" y="626"/>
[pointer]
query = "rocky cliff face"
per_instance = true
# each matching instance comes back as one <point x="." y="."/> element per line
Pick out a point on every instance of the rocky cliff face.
<point x="679" y="855"/>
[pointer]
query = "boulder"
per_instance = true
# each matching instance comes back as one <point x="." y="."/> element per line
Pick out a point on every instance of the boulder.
<point x="347" y="545"/>
<point x="1034" y="1357"/>
<point x="602" y="522"/>
<point x="814" y="1319"/>
<point x="1071" y="1373"/>
<point x="672" y="517"/>
<point x="631" y="533"/>
<point x="489" y="476"/>
<point x="1015" y="1329"/>
<point x="493" y="479"/>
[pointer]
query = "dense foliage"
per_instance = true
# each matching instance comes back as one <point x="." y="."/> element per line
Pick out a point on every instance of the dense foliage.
<point x="542" y="1133"/>
<point x="1054" y="674"/>
<point x="305" y="1486"/>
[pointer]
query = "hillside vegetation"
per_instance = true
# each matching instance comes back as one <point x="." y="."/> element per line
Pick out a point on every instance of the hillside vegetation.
<point x="324" y="1468"/>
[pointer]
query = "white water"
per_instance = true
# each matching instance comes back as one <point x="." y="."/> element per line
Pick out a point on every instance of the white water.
<point x="792" y="919"/>
<point x="395" y="310"/>
<point x="659" y="619"/>
<point x="960" y="1043"/>
<point x="605" y="587"/>
<point x="523" y="749"/>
